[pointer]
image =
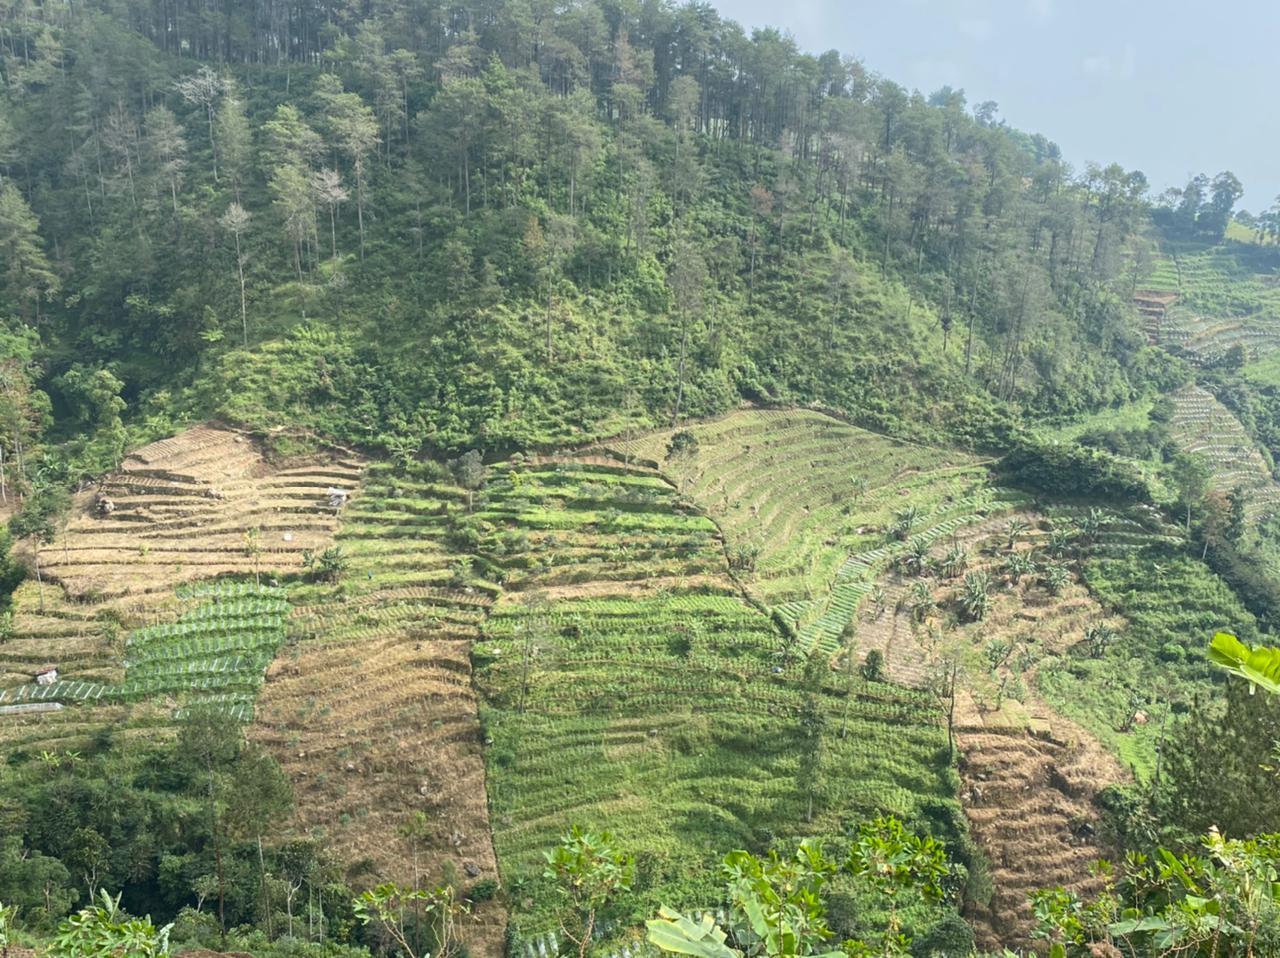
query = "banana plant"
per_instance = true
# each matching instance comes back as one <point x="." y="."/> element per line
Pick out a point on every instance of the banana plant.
<point x="1260" y="666"/>
<point x="8" y="918"/>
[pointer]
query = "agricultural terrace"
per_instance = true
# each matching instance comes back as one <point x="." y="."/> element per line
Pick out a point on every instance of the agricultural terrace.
<point x="628" y="685"/>
<point x="370" y="709"/>
<point x="203" y="504"/>
<point x="983" y="609"/>
<point x="1207" y="299"/>
<point x="214" y="654"/>
<point x="812" y="508"/>
<point x="119" y="609"/>
<point x="1126" y="683"/>
<point x="1203" y="426"/>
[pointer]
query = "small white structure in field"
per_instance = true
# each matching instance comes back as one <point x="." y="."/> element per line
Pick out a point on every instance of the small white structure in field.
<point x="337" y="497"/>
<point x="47" y="677"/>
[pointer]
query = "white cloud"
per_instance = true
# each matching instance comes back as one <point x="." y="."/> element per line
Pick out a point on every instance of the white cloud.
<point x="975" y="28"/>
<point x="1040" y="9"/>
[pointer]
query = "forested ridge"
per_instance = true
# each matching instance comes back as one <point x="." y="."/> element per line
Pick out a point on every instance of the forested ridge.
<point x="469" y="467"/>
<point x="517" y="223"/>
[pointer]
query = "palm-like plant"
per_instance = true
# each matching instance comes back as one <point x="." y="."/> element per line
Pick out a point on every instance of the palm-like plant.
<point x="1099" y="638"/>
<point x="1059" y="543"/>
<point x="917" y="557"/>
<point x="922" y="601"/>
<point x="1091" y="526"/>
<point x="975" y="596"/>
<point x="879" y="601"/>
<point x="903" y="522"/>
<point x="1013" y="530"/>
<point x="1019" y="564"/>
<point x="1056" y="577"/>
<point x="954" y="562"/>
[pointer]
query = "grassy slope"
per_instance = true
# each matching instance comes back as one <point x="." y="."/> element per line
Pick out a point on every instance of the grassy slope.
<point x="659" y="702"/>
<point x="826" y="505"/>
<point x="810" y="499"/>
<point x="1227" y="295"/>
<point x="1103" y="693"/>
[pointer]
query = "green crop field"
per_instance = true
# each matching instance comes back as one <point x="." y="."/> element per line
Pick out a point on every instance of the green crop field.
<point x="1134" y="415"/>
<point x="214" y="654"/>
<point x="812" y="507"/>
<point x="627" y="684"/>
<point x="1169" y="602"/>
<point x="1206" y="428"/>
<point x="1228" y="295"/>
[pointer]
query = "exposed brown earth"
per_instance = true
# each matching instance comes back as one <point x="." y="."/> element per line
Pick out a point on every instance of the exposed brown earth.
<point x="371" y="712"/>
<point x="1153" y="307"/>
<point x="203" y="504"/>
<point x="1029" y="774"/>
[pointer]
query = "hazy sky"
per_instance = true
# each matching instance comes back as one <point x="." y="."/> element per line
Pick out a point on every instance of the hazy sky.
<point x="1169" y="88"/>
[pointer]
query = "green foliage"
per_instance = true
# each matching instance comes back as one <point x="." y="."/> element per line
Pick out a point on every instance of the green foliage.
<point x="1258" y="666"/>
<point x="778" y="907"/>
<point x="1224" y="903"/>
<point x="328" y="566"/>
<point x="8" y="932"/>
<point x="683" y="444"/>
<point x="12" y="572"/>
<point x="975" y="595"/>
<point x="590" y="867"/>
<point x="394" y="909"/>
<point x="590" y="870"/>
<point x="167" y="822"/>
<point x="1219" y="767"/>
<point x="103" y="930"/>
<point x="873" y="665"/>
<point x="532" y="264"/>
<point x="1067" y="469"/>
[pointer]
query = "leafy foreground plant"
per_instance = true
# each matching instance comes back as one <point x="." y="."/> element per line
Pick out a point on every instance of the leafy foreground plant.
<point x="401" y="912"/>
<point x="1260" y="667"/>
<point x="105" y="931"/>
<point x="1223" y="904"/>
<point x="590" y="870"/>
<point x="776" y="907"/>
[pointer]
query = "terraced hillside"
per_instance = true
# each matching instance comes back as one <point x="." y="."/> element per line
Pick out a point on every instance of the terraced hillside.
<point x="1029" y="773"/>
<point x="812" y="508"/>
<point x="889" y="537"/>
<point x="206" y="503"/>
<point x="1153" y="306"/>
<point x="627" y="684"/>
<point x="119" y="610"/>
<point x="370" y="709"/>
<point x="1226" y="295"/>
<point x="214" y="654"/>
<point x="1205" y="427"/>
<point x="154" y="606"/>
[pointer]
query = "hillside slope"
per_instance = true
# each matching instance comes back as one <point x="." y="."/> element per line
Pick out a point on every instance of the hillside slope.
<point x="861" y="543"/>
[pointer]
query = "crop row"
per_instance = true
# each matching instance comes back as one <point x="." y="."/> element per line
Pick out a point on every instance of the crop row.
<point x="229" y="589"/>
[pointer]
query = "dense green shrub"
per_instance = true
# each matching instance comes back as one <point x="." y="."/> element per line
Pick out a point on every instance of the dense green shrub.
<point x="1068" y="469"/>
